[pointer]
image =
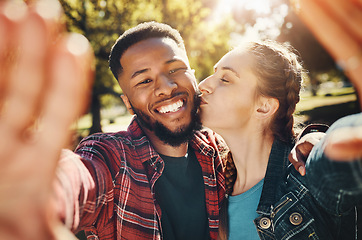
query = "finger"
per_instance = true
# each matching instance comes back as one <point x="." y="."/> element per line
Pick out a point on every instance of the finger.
<point x="303" y="151"/>
<point x="347" y="14"/>
<point x="301" y="170"/>
<point x="34" y="32"/>
<point x="25" y="79"/>
<point x="345" y="144"/>
<point x="312" y="138"/>
<point x="344" y="48"/>
<point x="299" y="154"/>
<point x="328" y="31"/>
<point x="345" y="151"/>
<point x="357" y="3"/>
<point x="52" y="12"/>
<point x="71" y="75"/>
<point x="10" y="13"/>
<point x="299" y="166"/>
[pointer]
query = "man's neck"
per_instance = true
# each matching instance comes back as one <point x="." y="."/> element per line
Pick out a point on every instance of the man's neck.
<point x="166" y="149"/>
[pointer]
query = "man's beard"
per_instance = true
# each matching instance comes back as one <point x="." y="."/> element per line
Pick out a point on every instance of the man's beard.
<point x="173" y="138"/>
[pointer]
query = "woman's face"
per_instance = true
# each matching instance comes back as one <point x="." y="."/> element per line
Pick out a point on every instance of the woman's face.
<point x="229" y="95"/>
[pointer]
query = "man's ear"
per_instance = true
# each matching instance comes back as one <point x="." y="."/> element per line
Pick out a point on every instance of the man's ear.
<point x="127" y="104"/>
<point x="267" y="107"/>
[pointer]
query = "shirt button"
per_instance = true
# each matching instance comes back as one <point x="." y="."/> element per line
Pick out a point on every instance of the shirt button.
<point x="295" y="218"/>
<point x="265" y="223"/>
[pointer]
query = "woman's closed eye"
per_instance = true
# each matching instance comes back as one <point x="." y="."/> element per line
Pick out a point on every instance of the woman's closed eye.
<point x="224" y="80"/>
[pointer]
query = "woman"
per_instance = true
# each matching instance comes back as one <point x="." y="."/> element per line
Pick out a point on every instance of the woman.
<point x="250" y="101"/>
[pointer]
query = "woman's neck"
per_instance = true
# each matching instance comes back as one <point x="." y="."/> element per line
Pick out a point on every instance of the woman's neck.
<point x="250" y="150"/>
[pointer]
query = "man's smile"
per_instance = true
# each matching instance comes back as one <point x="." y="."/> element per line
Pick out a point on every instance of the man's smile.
<point x="170" y="108"/>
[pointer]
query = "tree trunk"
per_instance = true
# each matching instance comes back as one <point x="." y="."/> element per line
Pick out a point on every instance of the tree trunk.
<point x="314" y="84"/>
<point x="96" y="114"/>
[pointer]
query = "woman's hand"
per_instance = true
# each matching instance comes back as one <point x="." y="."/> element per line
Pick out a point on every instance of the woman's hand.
<point x="337" y="26"/>
<point x="344" y="144"/>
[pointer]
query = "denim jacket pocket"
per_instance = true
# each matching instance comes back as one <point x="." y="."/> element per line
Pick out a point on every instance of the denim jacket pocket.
<point x="291" y="220"/>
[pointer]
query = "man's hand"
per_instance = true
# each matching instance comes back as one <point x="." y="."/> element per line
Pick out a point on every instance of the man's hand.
<point x="44" y="82"/>
<point x="302" y="148"/>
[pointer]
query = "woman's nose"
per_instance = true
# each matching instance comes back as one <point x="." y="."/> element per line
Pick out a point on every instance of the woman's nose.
<point x="205" y="86"/>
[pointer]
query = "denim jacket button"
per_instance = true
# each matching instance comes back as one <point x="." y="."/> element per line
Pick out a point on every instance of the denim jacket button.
<point x="295" y="218"/>
<point x="265" y="223"/>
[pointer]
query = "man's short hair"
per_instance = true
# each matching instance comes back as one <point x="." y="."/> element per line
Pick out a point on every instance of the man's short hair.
<point x="139" y="33"/>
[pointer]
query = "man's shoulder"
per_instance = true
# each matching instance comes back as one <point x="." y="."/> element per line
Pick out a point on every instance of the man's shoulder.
<point x="121" y="139"/>
<point x="109" y="136"/>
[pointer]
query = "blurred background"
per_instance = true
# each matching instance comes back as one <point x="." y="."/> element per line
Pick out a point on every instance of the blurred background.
<point x="210" y="28"/>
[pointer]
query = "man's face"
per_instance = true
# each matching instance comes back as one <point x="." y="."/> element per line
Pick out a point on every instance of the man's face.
<point x="160" y="88"/>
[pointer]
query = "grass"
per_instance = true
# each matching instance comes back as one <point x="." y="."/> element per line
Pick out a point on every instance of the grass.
<point x="327" y="108"/>
<point x="333" y="97"/>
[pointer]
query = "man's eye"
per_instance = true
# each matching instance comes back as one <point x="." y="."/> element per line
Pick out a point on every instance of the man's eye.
<point x="176" y="70"/>
<point x="144" y="81"/>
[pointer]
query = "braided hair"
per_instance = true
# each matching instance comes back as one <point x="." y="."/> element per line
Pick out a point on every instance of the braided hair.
<point x="280" y="76"/>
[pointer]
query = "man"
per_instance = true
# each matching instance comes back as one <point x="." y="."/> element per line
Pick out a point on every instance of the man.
<point x="162" y="177"/>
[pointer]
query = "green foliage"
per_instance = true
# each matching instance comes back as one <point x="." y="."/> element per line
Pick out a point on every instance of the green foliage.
<point x="103" y="21"/>
<point x="207" y="44"/>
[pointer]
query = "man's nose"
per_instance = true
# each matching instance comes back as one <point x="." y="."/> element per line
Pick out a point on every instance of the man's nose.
<point x="164" y="85"/>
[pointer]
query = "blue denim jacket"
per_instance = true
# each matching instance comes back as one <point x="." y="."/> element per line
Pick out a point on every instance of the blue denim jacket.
<point x="320" y="205"/>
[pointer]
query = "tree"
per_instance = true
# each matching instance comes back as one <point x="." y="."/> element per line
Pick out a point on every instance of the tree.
<point x="315" y="58"/>
<point x="103" y="21"/>
<point x="205" y="41"/>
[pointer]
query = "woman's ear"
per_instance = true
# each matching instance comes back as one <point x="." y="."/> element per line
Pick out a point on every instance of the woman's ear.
<point x="267" y="107"/>
<point x="127" y="104"/>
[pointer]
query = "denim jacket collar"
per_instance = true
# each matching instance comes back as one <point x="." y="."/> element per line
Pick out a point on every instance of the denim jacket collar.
<point x="276" y="169"/>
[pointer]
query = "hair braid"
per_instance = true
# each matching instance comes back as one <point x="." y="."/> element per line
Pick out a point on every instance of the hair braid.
<point x="280" y="76"/>
<point x="292" y="87"/>
<point x="230" y="177"/>
<point x="230" y="174"/>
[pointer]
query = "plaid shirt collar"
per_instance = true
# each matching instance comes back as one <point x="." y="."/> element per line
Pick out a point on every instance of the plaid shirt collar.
<point x="198" y="142"/>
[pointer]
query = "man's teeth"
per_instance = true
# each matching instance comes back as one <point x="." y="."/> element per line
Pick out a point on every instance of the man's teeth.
<point x="172" y="107"/>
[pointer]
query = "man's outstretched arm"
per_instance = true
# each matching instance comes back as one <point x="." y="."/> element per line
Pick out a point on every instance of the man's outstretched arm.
<point x="45" y="78"/>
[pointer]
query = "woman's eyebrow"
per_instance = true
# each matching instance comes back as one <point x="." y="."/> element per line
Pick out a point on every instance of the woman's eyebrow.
<point x="229" y="69"/>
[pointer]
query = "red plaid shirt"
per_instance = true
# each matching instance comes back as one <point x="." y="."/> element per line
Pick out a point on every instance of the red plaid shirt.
<point x="108" y="187"/>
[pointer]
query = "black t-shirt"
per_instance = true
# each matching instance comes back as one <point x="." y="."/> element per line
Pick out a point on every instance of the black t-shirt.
<point x="180" y="191"/>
